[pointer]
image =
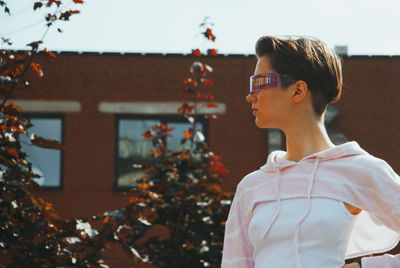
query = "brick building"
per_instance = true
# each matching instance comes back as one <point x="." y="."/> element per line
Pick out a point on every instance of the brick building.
<point x="98" y="100"/>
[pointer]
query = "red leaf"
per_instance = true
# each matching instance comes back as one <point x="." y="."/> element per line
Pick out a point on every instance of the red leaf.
<point x="212" y="105"/>
<point x="51" y="54"/>
<point x="144" y="186"/>
<point x="37" y="68"/>
<point x="37" y="5"/>
<point x="147" y="134"/>
<point x="196" y="52"/>
<point x="188" y="133"/>
<point x="12" y="151"/>
<point x="165" y="127"/>
<point x="185" y="108"/>
<point x="67" y="14"/>
<point x="78" y="1"/>
<point x="50" y="2"/>
<point x="207" y="82"/>
<point x="190" y="81"/>
<point x="14" y="106"/>
<point x="212" y="52"/>
<point x="209" y="35"/>
<point x="155" y="153"/>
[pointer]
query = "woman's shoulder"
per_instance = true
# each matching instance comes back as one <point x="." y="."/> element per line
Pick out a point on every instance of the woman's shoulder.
<point x="250" y="180"/>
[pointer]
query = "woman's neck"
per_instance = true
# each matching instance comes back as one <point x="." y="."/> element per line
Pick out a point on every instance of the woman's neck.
<point x="305" y="138"/>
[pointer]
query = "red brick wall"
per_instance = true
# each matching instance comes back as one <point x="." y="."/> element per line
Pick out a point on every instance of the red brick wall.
<point x="369" y="114"/>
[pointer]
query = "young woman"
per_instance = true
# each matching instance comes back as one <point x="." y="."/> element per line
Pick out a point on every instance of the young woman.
<point x="318" y="203"/>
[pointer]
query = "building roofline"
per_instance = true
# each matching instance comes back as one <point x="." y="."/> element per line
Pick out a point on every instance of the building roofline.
<point x="157" y="54"/>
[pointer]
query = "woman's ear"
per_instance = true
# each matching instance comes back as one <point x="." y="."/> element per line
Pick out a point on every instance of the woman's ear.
<point x="299" y="91"/>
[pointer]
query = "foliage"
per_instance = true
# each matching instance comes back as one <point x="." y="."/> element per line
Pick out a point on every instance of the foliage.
<point x="182" y="193"/>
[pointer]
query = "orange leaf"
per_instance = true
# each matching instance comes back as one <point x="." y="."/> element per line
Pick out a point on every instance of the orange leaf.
<point x="147" y="134"/>
<point x="212" y="105"/>
<point x="78" y="1"/>
<point x="213" y="52"/>
<point x="208" y="82"/>
<point x="196" y="52"/>
<point x="12" y="151"/>
<point x="106" y="219"/>
<point x="37" y="68"/>
<point x="155" y="153"/>
<point x="154" y="196"/>
<point x="51" y="54"/>
<point x="188" y="133"/>
<point x="144" y="186"/>
<point x="14" y="106"/>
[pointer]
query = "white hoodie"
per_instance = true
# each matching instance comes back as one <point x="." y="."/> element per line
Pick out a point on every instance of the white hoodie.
<point x="346" y="173"/>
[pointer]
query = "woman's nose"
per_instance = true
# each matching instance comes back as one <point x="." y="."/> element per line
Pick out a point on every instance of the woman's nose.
<point x="250" y="97"/>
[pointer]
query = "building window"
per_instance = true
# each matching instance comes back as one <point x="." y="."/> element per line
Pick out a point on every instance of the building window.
<point x="275" y="140"/>
<point x="132" y="148"/>
<point x="47" y="163"/>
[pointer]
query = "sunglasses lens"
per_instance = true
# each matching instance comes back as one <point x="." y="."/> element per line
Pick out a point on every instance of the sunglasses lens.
<point x="262" y="81"/>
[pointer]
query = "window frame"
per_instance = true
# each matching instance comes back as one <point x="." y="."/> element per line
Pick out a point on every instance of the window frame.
<point x="61" y="116"/>
<point x="165" y="119"/>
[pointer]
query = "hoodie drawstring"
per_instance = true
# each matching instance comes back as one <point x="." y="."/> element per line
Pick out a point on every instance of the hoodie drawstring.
<point x="278" y="206"/>
<point x="310" y="185"/>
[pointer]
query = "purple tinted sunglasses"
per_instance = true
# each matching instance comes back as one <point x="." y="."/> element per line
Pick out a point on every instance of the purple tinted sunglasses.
<point x="268" y="80"/>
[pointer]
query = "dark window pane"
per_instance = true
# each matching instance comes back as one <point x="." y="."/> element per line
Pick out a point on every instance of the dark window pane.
<point x="174" y="143"/>
<point x="133" y="148"/>
<point x="45" y="162"/>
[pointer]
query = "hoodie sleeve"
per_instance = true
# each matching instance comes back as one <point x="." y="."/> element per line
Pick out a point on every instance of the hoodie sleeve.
<point x="385" y="186"/>
<point x="237" y="250"/>
<point x="381" y="193"/>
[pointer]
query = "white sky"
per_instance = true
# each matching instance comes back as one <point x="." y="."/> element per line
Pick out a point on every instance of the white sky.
<point x="367" y="27"/>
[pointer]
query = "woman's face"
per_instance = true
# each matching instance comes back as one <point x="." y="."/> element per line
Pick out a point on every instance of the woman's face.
<point x="271" y="105"/>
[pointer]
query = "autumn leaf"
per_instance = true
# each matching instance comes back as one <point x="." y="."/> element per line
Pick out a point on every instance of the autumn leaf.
<point x="147" y="134"/>
<point x="13" y="152"/>
<point x="51" y="54"/>
<point x="212" y="52"/>
<point x="154" y="196"/>
<point x="212" y="105"/>
<point x="37" y="68"/>
<point x="50" y="2"/>
<point x="144" y="186"/>
<point x="185" y="108"/>
<point x="12" y="105"/>
<point x="190" y="81"/>
<point x="207" y="82"/>
<point x="165" y="127"/>
<point x="67" y="14"/>
<point x="37" y="5"/>
<point x="78" y="1"/>
<point x="155" y="153"/>
<point x="196" y="52"/>
<point x="46" y="143"/>
<point x="209" y="35"/>
<point x="188" y="133"/>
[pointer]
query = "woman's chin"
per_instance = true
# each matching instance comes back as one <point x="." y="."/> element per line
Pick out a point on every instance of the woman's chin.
<point x="259" y="124"/>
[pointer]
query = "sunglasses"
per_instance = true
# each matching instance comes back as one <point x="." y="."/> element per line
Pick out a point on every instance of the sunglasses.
<point x="268" y="80"/>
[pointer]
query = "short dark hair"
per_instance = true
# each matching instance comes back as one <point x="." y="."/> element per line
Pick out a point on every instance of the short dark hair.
<point x="310" y="60"/>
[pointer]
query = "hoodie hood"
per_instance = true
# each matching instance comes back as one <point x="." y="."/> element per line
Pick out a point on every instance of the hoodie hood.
<point x="276" y="158"/>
